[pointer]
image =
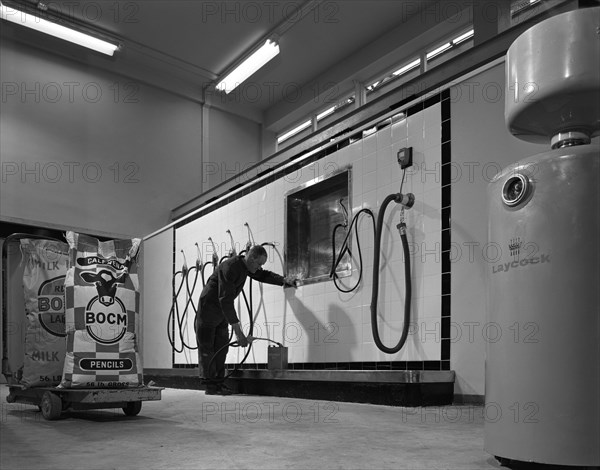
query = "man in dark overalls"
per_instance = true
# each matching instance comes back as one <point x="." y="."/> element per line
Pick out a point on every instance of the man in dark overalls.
<point x="217" y="312"/>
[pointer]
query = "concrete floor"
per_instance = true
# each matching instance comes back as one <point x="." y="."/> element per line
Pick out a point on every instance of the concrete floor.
<point x="189" y="430"/>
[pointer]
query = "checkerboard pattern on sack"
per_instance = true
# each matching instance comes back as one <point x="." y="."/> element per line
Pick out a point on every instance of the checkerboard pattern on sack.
<point x="102" y="314"/>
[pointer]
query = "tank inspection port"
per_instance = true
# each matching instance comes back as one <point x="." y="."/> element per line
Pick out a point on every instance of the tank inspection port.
<point x="515" y="190"/>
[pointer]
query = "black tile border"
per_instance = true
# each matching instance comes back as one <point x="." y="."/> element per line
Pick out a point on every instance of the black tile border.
<point x="445" y="265"/>
<point x="446" y="172"/>
<point x="435" y="99"/>
<point x="446" y="152"/>
<point x="446" y="130"/>
<point x="172" y="294"/>
<point x="446" y="236"/>
<point x="445" y="219"/>
<point x="362" y="366"/>
<point x="446" y="282"/>
<point x="446" y="196"/>
<point x="445" y="328"/>
<point x="445" y="306"/>
<point x="417" y="108"/>
<point x="445" y="107"/>
<point x="445" y="350"/>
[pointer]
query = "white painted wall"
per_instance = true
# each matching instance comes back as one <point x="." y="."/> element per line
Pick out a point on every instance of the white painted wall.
<point x="481" y="147"/>
<point x="85" y="149"/>
<point x="156" y="274"/>
<point x="234" y="145"/>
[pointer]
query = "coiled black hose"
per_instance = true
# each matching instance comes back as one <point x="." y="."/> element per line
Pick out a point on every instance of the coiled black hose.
<point x="407" y="280"/>
<point x="175" y="314"/>
<point x="377" y="232"/>
<point x="337" y="260"/>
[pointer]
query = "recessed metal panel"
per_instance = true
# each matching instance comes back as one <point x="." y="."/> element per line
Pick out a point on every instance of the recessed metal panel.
<point x="314" y="211"/>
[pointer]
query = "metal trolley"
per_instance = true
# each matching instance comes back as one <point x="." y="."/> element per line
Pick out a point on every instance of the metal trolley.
<point x="52" y="401"/>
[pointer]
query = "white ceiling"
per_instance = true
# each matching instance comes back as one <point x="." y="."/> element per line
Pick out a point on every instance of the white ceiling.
<point x="185" y="45"/>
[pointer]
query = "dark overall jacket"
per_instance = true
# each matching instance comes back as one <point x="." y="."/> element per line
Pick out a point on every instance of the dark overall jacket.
<point x="226" y="283"/>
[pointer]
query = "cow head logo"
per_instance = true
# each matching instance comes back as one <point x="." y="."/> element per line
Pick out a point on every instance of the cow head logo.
<point x="106" y="284"/>
<point x="105" y="315"/>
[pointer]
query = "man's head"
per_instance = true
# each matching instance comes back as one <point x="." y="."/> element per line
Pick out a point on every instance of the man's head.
<point x="255" y="258"/>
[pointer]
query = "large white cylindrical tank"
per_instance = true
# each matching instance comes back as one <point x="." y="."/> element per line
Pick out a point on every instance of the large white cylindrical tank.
<point x="543" y="333"/>
<point x="553" y="77"/>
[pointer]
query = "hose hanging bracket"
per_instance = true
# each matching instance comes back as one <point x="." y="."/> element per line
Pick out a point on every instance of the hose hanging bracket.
<point x="250" y="241"/>
<point x="233" y="251"/>
<point x="198" y="257"/>
<point x="215" y="256"/>
<point x="406" y="200"/>
<point x="184" y="267"/>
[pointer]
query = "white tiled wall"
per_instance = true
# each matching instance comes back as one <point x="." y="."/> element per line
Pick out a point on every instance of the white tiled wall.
<point x="316" y="321"/>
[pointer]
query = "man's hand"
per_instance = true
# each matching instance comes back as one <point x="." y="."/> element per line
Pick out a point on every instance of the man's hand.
<point x="245" y="341"/>
<point x="289" y="282"/>
<point x="241" y="338"/>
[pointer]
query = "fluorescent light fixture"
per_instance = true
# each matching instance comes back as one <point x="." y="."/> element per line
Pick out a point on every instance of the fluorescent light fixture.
<point x="57" y="30"/>
<point x="259" y="58"/>
<point x="463" y="37"/>
<point x="439" y="50"/>
<point x="325" y="113"/>
<point x="407" y="67"/>
<point x="294" y="131"/>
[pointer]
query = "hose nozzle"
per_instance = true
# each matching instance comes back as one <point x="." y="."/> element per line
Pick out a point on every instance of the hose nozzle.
<point x="407" y="200"/>
<point x="401" y="228"/>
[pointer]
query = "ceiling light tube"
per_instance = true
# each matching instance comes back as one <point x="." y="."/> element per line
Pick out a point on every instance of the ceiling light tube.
<point x="439" y="50"/>
<point x="325" y="113"/>
<point x="249" y="66"/>
<point x="407" y="67"/>
<point x="57" y="30"/>
<point x="463" y="37"/>
<point x="294" y="131"/>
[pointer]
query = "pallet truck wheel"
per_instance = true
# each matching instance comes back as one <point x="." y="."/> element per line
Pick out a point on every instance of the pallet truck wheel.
<point x="132" y="408"/>
<point x="51" y="406"/>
